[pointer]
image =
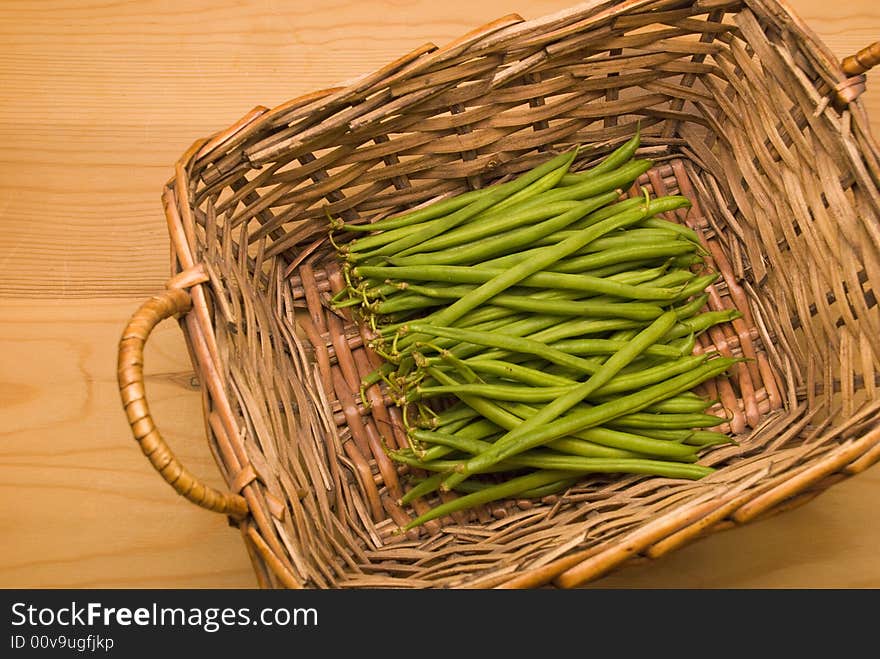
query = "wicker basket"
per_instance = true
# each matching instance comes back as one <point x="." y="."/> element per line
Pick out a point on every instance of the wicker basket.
<point x="745" y="112"/>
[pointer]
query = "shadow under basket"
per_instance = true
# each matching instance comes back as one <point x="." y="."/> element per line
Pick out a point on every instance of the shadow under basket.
<point x="741" y="108"/>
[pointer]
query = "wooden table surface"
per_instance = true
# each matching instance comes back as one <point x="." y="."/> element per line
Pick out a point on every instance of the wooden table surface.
<point x="97" y="102"/>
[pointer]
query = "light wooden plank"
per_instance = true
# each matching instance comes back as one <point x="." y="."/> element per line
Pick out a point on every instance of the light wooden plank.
<point x="97" y="101"/>
<point x="81" y="506"/>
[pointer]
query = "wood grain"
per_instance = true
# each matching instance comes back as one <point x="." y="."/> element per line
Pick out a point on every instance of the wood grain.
<point x="97" y="101"/>
<point x="82" y="507"/>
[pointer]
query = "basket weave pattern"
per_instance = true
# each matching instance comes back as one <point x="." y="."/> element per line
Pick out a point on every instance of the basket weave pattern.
<point x="743" y="110"/>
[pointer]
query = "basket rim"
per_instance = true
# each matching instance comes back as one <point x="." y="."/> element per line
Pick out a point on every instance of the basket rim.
<point x="507" y="28"/>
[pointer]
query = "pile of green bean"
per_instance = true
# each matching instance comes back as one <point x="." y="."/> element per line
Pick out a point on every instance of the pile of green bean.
<point x="539" y="330"/>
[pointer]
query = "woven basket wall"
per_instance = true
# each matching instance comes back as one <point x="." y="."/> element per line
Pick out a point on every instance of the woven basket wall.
<point x="743" y="110"/>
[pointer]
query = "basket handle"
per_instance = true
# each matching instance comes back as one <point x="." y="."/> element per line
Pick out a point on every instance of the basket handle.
<point x="867" y="58"/>
<point x="854" y="68"/>
<point x="130" y="376"/>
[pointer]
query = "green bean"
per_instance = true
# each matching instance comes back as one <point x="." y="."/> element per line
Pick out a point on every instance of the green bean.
<point x="593" y="416"/>
<point x="381" y="291"/>
<point x="685" y="345"/>
<point x="672" y="278"/>
<point x="475" y="446"/>
<point x="475" y="485"/>
<point x="479" y="274"/>
<point x="691" y="437"/>
<point x="608" y="437"/>
<point x="679" y="405"/>
<point x="495" y="392"/>
<point x="481" y="203"/>
<point x="546" y="490"/>
<point x="544" y="333"/>
<point x="555" y="280"/>
<point x="688" y="309"/>
<point x="578" y="327"/>
<point x="609" y="346"/>
<point x="505" y="419"/>
<point x="480" y="248"/>
<point x="626" y="204"/>
<point x="513" y="371"/>
<point x="507" y="207"/>
<point x="622" y="335"/>
<point x="686" y="232"/>
<point x="673" y="421"/>
<point x="455" y="413"/>
<point x="429" y="212"/>
<point x="704" y="438"/>
<point x="636" y="277"/>
<point x="489" y="312"/>
<point x="484" y="407"/>
<point x="691" y="395"/>
<point x="700" y="323"/>
<point x="376" y="376"/>
<point x="518" y="484"/>
<point x="521" y="328"/>
<point x="614" y="160"/>
<point x="613" y="241"/>
<point x="446" y="465"/>
<point x="571" y="178"/>
<point x="483" y="318"/>
<point x="468" y="487"/>
<point x="568" y="307"/>
<point x="550" y="255"/>
<point x="512" y="326"/>
<point x="408" y="302"/>
<point x="478" y="230"/>
<point x="514" y="344"/>
<point x="624" y="440"/>
<point x="623" y="268"/>
<point x="455" y="291"/>
<point x="485" y="322"/>
<point x="479" y="428"/>
<point x="587" y="443"/>
<point x="422" y="488"/>
<point x="621" y="206"/>
<point x="620" y="178"/>
<point x="687" y="260"/>
<point x="520" y="436"/>
<point x="669" y="435"/>
<point x="567" y="329"/>
<point x="618" y="239"/>
<point x="697" y="286"/>
<point x="483" y="429"/>
<point x="374" y="241"/>
<point x="617" y="158"/>
<point x="455" y="426"/>
<point x="610" y="257"/>
<point x="543" y="184"/>
<point x="624" y="237"/>
<point x="651" y="375"/>
<point x="551" y="460"/>
<point x="509" y="488"/>
<point x="677" y="468"/>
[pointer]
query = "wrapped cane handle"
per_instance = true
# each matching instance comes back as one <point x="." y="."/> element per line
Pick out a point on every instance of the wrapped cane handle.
<point x="130" y="375"/>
